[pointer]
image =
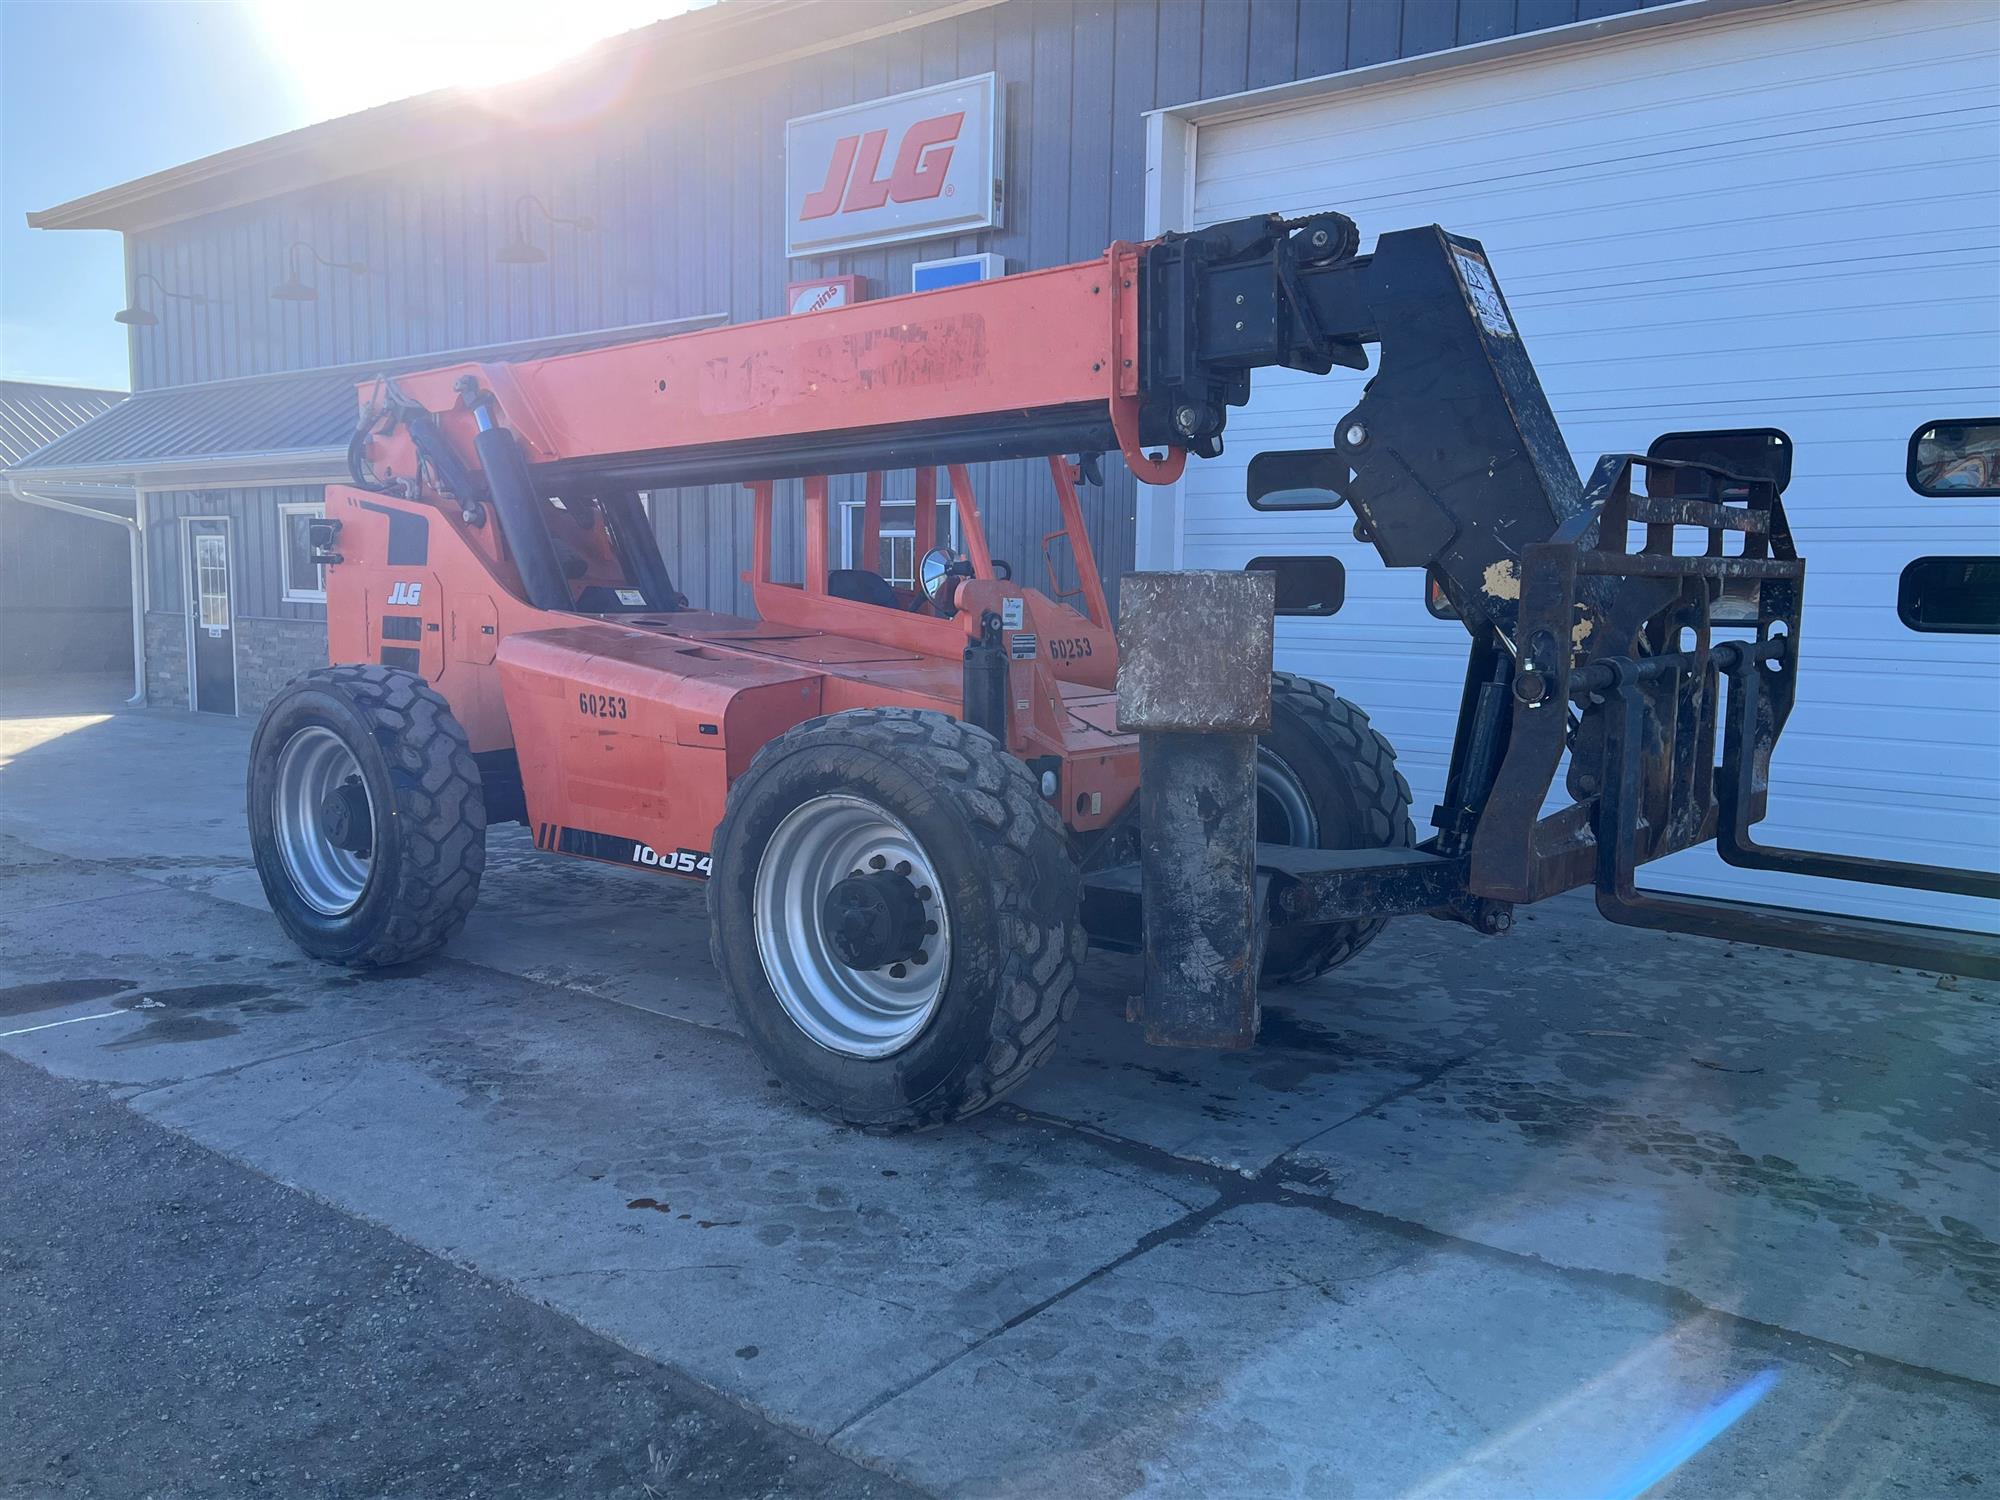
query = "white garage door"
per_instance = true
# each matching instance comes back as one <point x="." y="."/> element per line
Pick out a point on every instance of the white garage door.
<point x="1787" y="218"/>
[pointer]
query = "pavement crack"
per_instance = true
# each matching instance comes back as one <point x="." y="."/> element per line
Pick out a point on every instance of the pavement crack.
<point x="716" y="1265"/>
<point x="1268" y="1185"/>
<point x="1402" y="1091"/>
<point x="1187" y="1224"/>
<point x="848" y="1291"/>
<point x="127" y="1096"/>
<point x="15" y="909"/>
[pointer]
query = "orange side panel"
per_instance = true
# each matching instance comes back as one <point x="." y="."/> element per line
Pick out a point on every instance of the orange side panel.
<point x="629" y="738"/>
<point x="450" y="610"/>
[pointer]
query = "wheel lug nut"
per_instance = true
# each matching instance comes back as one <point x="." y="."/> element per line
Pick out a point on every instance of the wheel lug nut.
<point x="877" y="862"/>
<point x="924" y="894"/>
<point x="897" y="971"/>
<point x="902" y="867"/>
<point x="929" y="928"/>
<point x="922" y="957"/>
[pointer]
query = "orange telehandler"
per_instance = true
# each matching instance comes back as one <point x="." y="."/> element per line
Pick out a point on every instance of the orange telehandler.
<point x="913" y="806"/>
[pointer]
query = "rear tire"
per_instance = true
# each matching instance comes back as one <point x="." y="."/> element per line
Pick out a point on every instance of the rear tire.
<point x="365" y="755"/>
<point x="1325" y="779"/>
<point x="981" y="895"/>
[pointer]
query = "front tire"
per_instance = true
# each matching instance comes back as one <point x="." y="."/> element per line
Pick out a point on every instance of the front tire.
<point x="1326" y="779"/>
<point x="894" y="913"/>
<point x="367" y="819"/>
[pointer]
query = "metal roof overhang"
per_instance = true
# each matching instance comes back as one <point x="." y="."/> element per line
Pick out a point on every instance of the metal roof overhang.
<point x="225" y="432"/>
<point x="291" y="427"/>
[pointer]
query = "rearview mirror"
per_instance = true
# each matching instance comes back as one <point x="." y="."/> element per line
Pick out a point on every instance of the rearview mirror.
<point x="1307" y="586"/>
<point x="1298" y="479"/>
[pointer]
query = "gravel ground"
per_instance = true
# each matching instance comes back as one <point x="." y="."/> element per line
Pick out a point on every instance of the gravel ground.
<point x="175" y="1325"/>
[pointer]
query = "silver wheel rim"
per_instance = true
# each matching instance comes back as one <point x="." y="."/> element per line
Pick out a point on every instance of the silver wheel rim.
<point x="328" y="878"/>
<point x="1281" y="797"/>
<point x="855" y="1012"/>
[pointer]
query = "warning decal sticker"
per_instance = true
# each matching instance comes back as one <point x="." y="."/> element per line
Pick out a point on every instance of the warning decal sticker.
<point x="1483" y="292"/>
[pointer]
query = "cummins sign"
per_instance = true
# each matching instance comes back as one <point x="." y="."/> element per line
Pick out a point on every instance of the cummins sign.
<point x="903" y="168"/>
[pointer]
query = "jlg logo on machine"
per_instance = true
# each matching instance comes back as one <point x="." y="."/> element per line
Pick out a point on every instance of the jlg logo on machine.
<point x="913" y="165"/>
<point x="406" y="592"/>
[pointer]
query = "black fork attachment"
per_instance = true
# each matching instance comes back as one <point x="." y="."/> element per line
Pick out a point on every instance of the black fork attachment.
<point x="1663" y="675"/>
<point x="1639" y="712"/>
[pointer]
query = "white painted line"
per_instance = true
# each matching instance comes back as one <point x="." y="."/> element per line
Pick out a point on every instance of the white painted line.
<point x="73" y="1020"/>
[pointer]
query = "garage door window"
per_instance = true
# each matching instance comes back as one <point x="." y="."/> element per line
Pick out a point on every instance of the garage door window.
<point x="305" y="580"/>
<point x="1955" y="595"/>
<point x="1957" y="459"/>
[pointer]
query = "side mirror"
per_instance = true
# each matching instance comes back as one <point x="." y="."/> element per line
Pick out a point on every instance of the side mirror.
<point x="1298" y="479"/>
<point x="1308" y="587"/>
<point x="322" y="535"/>
<point x="1751" y="452"/>
<point x="936" y="579"/>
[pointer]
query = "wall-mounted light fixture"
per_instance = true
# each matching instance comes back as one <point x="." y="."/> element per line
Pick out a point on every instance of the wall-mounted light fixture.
<point x="294" y="289"/>
<point x="138" y="315"/>
<point x="520" y="250"/>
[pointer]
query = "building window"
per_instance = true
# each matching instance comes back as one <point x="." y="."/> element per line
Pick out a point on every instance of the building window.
<point x="305" y="580"/>
<point x="211" y="581"/>
<point x="1957" y="459"/>
<point x="1953" y="595"/>
<point x="897" y="559"/>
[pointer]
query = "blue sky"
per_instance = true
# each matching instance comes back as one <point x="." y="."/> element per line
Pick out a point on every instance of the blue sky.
<point x="91" y="95"/>
<point x="96" y="92"/>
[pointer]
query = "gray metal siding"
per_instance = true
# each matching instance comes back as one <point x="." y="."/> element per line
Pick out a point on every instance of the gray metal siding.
<point x="257" y="580"/>
<point x="65" y="593"/>
<point x="65" y="581"/>
<point x="686" y="189"/>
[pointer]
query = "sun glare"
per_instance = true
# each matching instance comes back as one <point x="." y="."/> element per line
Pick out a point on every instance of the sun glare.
<point x="344" y="58"/>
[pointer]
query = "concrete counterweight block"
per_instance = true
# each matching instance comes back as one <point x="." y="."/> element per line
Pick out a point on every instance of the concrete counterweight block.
<point x="1194" y="681"/>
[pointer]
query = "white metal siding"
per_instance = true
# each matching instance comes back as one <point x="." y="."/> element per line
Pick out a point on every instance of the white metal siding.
<point x="1784" y="218"/>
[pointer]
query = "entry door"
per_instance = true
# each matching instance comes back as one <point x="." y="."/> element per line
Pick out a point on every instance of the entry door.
<point x="211" y="617"/>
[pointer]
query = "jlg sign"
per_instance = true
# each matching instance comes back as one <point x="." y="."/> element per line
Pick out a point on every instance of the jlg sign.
<point x="908" y="167"/>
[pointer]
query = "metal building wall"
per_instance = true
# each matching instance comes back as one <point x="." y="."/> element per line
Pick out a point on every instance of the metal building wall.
<point x="257" y="584"/>
<point x="686" y="190"/>
<point x="65" y="592"/>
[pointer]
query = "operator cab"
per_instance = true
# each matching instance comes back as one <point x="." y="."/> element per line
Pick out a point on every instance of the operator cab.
<point x="607" y="556"/>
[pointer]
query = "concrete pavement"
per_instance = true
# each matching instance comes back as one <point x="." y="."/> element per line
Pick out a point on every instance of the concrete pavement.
<point x="179" y="1326"/>
<point x="1543" y="1214"/>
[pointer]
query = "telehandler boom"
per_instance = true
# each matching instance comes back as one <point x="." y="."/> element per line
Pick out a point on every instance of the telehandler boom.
<point x="913" y="803"/>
